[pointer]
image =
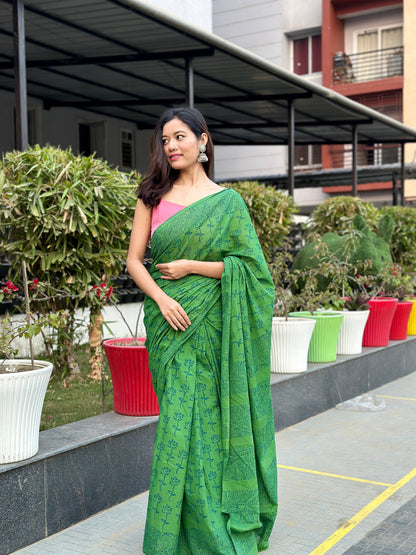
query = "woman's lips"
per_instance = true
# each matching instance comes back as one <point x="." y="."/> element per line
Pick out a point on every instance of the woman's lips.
<point x="174" y="157"/>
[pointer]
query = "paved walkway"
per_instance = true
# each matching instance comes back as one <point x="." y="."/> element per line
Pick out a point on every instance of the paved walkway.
<point x="347" y="484"/>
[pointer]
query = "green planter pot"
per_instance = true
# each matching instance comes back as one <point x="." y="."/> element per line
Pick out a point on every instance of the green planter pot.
<point x="323" y="345"/>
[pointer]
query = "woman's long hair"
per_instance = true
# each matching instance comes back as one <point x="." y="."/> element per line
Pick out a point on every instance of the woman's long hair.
<point x="160" y="177"/>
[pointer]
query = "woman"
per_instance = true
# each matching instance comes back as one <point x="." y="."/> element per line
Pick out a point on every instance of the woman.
<point x="208" y="311"/>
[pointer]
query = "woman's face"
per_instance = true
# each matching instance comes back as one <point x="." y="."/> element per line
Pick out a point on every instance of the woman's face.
<point x="180" y="144"/>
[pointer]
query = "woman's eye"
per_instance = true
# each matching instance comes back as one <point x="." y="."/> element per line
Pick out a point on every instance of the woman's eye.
<point x="164" y="141"/>
<point x="180" y="137"/>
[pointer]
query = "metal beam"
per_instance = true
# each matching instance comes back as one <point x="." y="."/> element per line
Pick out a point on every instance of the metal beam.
<point x="115" y="59"/>
<point x="402" y="199"/>
<point x="20" y="75"/>
<point x="299" y="124"/>
<point x="291" y="148"/>
<point x="189" y="82"/>
<point x="394" y="199"/>
<point x="354" y="160"/>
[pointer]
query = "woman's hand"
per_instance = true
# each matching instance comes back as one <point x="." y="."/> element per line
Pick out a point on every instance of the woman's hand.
<point x="180" y="268"/>
<point x="173" y="313"/>
<point x="175" y="269"/>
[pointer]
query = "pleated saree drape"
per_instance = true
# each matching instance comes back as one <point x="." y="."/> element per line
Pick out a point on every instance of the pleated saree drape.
<point x="214" y="486"/>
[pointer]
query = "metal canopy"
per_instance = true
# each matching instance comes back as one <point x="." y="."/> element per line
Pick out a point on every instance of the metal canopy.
<point x="129" y="60"/>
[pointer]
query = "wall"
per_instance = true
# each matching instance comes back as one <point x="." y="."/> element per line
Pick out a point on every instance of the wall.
<point x="263" y="27"/>
<point x="114" y="327"/>
<point x="257" y="26"/>
<point x="59" y="127"/>
<point x="353" y="25"/>
<point x="409" y="85"/>
<point x="197" y="12"/>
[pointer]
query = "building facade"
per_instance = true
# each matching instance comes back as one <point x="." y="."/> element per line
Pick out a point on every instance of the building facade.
<point x="363" y="49"/>
<point x="363" y="53"/>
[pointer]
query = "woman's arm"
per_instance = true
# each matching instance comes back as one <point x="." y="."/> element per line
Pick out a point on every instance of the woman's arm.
<point x="180" y="268"/>
<point x="140" y="234"/>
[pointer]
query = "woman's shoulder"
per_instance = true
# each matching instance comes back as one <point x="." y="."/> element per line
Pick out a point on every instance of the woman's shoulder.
<point x="231" y="194"/>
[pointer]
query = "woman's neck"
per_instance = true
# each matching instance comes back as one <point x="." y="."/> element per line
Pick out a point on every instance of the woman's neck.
<point x="192" y="178"/>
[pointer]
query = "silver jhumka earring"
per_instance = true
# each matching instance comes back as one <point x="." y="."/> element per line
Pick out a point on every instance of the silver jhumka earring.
<point x="202" y="156"/>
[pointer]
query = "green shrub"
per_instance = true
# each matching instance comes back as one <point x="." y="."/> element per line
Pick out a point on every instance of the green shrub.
<point x="271" y="212"/>
<point x="69" y="218"/>
<point x="336" y="214"/>
<point x="403" y="243"/>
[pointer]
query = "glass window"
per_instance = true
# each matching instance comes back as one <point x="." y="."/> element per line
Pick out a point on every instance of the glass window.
<point x="307" y="56"/>
<point x="307" y="156"/>
<point x="127" y="151"/>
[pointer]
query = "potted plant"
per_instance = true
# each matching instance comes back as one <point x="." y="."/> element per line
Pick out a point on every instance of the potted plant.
<point x="69" y="218"/>
<point x="128" y="359"/>
<point x="396" y="282"/>
<point x="23" y="382"/>
<point x="290" y="336"/>
<point x="313" y="294"/>
<point x="309" y="302"/>
<point x="350" y="297"/>
<point x="356" y="310"/>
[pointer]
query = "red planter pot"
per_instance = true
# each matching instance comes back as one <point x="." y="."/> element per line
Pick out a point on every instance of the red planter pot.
<point x="377" y="329"/>
<point x="132" y="381"/>
<point x="400" y="320"/>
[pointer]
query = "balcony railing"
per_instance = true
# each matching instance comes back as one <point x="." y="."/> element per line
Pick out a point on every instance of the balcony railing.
<point x="367" y="66"/>
<point x="375" y="155"/>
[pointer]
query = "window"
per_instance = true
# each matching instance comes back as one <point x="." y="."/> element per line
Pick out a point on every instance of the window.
<point x="127" y="149"/>
<point x="307" y="156"/>
<point x="379" y="53"/>
<point x="307" y="55"/>
<point x="92" y="139"/>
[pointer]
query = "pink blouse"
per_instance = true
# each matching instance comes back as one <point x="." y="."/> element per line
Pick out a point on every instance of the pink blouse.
<point x="163" y="211"/>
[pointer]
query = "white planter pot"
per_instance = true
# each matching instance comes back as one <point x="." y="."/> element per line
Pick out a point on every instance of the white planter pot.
<point x="290" y="344"/>
<point x="21" y="401"/>
<point x="350" y="339"/>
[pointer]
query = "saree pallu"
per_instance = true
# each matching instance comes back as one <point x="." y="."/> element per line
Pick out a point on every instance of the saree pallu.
<point x="214" y="479"/>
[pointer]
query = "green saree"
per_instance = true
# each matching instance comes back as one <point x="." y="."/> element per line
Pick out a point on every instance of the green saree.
<point x="214" y="485"/>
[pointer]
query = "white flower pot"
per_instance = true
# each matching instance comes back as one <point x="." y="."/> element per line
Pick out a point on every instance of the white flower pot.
<point x="21" y="401"/>
<point x="350" y="339"/>
<point x="290" y="344"/>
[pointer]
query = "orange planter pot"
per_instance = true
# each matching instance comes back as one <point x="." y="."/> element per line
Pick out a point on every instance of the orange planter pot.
<point x="132" y="381"/>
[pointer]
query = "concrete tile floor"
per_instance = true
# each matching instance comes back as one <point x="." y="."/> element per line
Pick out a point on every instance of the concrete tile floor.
<point x="331" y="468"/>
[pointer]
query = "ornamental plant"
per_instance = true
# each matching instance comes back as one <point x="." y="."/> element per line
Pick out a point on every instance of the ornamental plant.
<point x="337" y="213"/>
<point x="271" y="212"/>
<point x="394" y="281"/>
<point x="32" y="325"/>
<point x="404" y="236"/>
<point x="298" y="290"/>
<point x="98" y="296"/>
<point x="68" y="218"/>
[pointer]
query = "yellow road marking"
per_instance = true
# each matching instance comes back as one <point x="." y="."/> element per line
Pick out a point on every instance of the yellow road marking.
<point x="332" y="475"/>
<point x="361" y="515"/>
<point x="393" y="397"/>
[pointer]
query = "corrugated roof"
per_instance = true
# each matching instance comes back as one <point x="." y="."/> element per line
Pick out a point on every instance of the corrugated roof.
<point x="126" y="59"/>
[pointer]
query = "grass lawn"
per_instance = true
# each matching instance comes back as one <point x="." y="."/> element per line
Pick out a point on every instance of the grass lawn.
<point x="72" y="400"/>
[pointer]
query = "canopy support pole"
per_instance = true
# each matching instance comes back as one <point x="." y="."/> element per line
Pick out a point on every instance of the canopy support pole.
<point x="402" y="199"/>
<point x="189" y="84"/>
<point x="354" y="160"/>
<point x="21" y="125"/>
<point x="291" y="148"/>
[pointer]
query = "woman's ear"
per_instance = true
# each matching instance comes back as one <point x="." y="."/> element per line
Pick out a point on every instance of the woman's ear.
<point x="204" y="138"/>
